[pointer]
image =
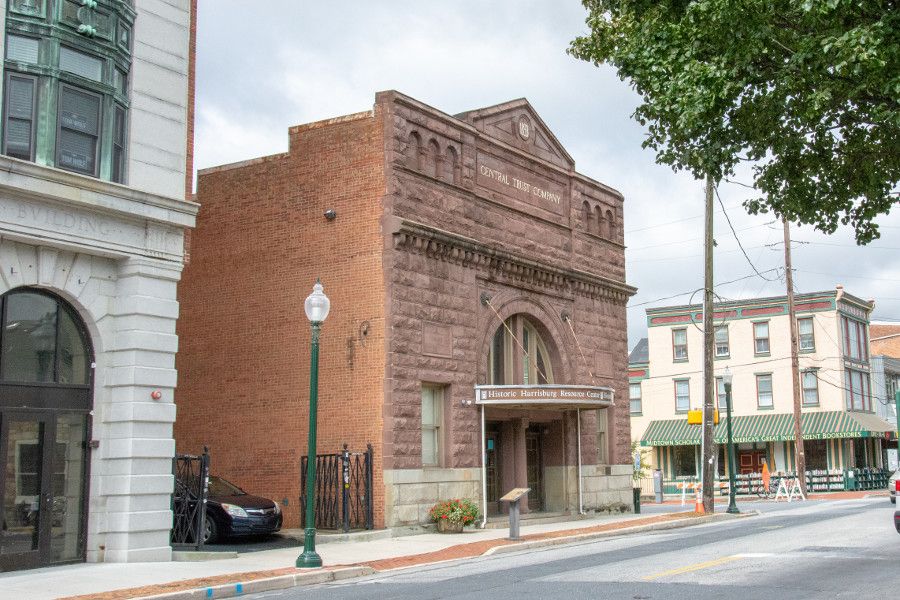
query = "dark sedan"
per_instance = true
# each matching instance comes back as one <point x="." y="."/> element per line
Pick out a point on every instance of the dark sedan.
<point x="232" y="512"/>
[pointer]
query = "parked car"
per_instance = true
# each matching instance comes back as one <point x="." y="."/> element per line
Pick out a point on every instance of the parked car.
<point x="892" y="486"/>
<point x="232" y="512"/>
<point x="897" y="520"/>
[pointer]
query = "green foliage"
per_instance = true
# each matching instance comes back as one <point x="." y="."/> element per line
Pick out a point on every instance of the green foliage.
<point x="456" y="511"/>
<point x="641" y="472"/>
<point x="805" y="91"/>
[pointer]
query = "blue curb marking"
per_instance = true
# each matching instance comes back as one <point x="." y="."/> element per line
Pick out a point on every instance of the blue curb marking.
<point x="209" y="592"/>
<point x="239" y="588"/>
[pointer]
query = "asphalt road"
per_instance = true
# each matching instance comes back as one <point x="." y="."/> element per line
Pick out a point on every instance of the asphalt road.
<point x="835" y="549"/>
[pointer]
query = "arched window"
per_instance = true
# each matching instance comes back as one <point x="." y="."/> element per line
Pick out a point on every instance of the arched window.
<point x="452" y="165"/>
<point x="610" y="225"/>
<point x="66" y="96"/>
<point x="519" y="355"/>
<point x="42" y="340"/>
<point x="586" y="215"/>
<point x="433" y="160"/>
<point x="600" y="225"/>
<point x="413" y="151"/>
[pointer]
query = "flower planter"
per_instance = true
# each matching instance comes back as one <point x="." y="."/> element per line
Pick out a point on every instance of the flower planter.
<point x="448" y="526"/>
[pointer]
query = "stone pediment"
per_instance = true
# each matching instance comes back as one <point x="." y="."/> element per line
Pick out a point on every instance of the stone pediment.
<point x="519" y="125"/>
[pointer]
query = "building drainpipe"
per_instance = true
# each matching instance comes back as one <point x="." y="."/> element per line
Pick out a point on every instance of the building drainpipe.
<point x="578" y="429"/>
<point x="483" y="473"/>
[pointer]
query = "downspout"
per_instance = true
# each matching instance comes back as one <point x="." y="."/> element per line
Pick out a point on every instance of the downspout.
<point x="578" y="429"/>
<point x="483" y="474"/>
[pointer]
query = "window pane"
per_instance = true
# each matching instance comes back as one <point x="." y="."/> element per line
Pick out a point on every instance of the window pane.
<point x="22" y="49"/>
<point x="19" y="116"/>
<point x="680" y="336"/>
<point x="20" y="97"/>
<point x="85" y="65"/>
<point x="720" y="393"/>
<point x="764" y="390"/>
<point x="429" y="447"/>
<point x="722" y="334"/>
<point x="73" y="354"/>
<point x="79" y="111"/>
<point x="77" y="152"/>
<point x="810" y="388"/>
<point x="18" y="138"/>
<point x="634" y="390"/>
<point x="682" y="395"/>
<point x="29" y="338"/>
<point x="427" y="406"/>
<point x="804" y="326"/>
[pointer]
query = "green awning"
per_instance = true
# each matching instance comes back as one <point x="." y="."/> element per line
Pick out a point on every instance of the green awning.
<point x="771" y="427"/>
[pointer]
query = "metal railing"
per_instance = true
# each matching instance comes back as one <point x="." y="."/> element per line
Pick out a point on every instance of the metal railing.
<point x="817" y="480"/>
<point x="189" y="499"/>
<point x="343" y="490"/>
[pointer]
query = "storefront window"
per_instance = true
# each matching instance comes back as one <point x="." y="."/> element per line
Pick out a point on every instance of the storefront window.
<point x="684" y="463"/>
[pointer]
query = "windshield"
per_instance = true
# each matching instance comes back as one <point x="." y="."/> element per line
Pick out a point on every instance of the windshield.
<point x="220" y="487"/>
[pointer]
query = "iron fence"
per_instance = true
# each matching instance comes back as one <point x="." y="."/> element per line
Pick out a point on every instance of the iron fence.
<point x="189" y="499"/>
<point x="343" y="490"/>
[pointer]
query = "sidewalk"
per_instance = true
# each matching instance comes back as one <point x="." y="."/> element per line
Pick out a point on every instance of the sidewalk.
<point x="274" y="569"/>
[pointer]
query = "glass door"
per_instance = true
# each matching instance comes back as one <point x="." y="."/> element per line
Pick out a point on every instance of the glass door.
<point x="42" y="491"/>
<point x="25" y="489"/>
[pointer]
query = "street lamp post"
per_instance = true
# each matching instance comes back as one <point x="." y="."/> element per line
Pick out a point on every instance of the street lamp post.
<point x="316" y="307"/>
<point x="732" y="487"/>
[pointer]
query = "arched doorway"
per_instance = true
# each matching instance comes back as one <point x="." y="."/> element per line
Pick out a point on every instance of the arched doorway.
<point x="515" y="443"/>
<point x="45" y="400"/>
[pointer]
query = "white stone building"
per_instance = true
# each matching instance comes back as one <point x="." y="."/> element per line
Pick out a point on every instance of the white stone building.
<point x="96" y="153"/>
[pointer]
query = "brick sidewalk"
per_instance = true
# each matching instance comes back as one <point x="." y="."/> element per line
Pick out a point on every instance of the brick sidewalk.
<point x="458" y="551"/>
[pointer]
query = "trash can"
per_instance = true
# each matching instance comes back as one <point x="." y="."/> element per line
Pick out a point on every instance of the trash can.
<point x="850" y="482"/>
<point x="637" y="500"/>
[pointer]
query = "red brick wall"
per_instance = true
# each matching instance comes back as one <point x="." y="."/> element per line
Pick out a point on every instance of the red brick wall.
<point x="260" y="243"/>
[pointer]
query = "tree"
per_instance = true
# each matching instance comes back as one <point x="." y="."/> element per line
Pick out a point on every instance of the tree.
<point x="805" y="91"/>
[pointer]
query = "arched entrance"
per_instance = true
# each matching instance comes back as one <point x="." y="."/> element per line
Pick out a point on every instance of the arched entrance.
<point x="515" y="442"/>
<point x="45" y="400"/>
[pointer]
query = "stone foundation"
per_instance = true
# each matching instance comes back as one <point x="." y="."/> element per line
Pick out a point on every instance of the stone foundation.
<point x="410" y="493"/>
<point x="606" y="484"/>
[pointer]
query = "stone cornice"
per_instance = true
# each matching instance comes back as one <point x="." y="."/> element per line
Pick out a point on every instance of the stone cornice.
<point x="451" y="247"/>
<point x="26" y="179"/>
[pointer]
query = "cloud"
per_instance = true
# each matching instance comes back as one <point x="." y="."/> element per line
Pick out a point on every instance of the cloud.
<point x="265" y="67"/>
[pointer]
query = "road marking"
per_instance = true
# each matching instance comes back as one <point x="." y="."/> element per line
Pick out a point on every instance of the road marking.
<point x="772" y="527"/>
<point x="694" y="567"/>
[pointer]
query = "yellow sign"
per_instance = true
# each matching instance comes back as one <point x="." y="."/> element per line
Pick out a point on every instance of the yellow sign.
<point x="695" y="417"/>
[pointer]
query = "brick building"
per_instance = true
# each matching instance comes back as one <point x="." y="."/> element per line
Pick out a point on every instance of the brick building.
<point x="96" y="166"/>
<point x="457" y="251"/>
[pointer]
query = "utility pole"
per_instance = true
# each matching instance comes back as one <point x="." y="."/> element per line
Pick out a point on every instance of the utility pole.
<point x="795" y="360"/>
<point x="709" y="448"/>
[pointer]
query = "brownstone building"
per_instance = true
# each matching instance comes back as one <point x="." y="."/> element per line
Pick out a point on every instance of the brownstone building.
<point x="457" y="251"/>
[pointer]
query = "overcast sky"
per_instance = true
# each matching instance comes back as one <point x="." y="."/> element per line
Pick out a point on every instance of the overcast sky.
<point x="264" y="66"/>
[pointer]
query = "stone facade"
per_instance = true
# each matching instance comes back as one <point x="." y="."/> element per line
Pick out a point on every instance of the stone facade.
<point x="114" y="253"/>
<point x="445" y="227"/>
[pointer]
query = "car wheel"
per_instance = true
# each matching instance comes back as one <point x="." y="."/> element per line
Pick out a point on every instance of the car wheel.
<point x="211" y="531"/>
<point x="893" y="499"/>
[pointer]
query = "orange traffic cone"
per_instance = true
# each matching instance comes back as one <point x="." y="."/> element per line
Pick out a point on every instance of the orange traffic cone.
<point x="698" y="503"/>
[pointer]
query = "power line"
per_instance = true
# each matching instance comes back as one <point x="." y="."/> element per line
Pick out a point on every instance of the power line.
<point x="670" y="222"/>
<point x="693" y="291"/>
<point x="734" y="233"/>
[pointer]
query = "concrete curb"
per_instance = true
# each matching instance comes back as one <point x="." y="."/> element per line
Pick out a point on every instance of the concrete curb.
<point x="678" y="524"/>
<point x="281" y="582"/>
<point x="255" y="586"/>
